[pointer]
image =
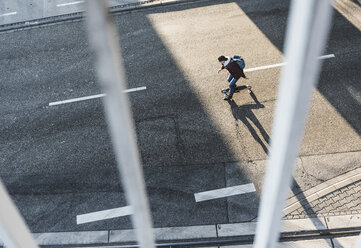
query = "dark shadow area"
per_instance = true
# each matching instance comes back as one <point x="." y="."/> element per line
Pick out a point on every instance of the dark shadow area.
<point x="245" y="114"/>
<point x="310" y="212"/>
<point x="340" y="78"/>
<point x="357" y="2"/>
<point x="239" y="88"/>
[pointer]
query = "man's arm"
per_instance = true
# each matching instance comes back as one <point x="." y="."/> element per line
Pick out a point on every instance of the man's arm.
<point x="221" y="68"/>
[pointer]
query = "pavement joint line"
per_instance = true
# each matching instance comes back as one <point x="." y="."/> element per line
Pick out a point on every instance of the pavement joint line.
<point x="311" y="155"/>
<point x="322" y="189"/>
<point x="84" y="98"/>
<point x="224" y="192"/>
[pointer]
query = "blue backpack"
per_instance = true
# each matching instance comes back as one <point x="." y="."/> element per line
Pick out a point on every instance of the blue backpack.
<point x="239" y="61"/>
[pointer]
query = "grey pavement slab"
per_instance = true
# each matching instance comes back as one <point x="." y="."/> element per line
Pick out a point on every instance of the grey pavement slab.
<point x="249" y="228"/>
<point x="304" y="224"/>
<point x="346" y="242"/>
<point x="169" y="233"/>
<point x="122" y="236"/>
<point x="320" y="243"/>
<point x="344" y="221"/>
<point x="91" y="237"/>
<point x="236" y="229"/>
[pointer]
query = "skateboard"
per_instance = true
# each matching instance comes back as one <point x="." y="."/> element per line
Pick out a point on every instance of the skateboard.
<point x="237" y="89"/>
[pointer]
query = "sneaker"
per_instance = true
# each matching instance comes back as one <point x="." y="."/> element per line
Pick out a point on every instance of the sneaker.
<point x="227" y="98"/>
<point x="224" y="90"/>
<point x="249" y="88"/>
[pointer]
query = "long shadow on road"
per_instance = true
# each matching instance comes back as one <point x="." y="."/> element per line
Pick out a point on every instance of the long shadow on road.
<point x="244" y="113"/>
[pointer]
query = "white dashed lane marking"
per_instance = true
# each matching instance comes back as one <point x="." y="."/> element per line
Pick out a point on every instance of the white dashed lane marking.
<point x="8" y="14"/>
<point x="103" y="215"/>
<point x="67" y="4"/>
<point x="282" y="64"/>
<point x="79" y="99"/>
<point x="224" y="192"/>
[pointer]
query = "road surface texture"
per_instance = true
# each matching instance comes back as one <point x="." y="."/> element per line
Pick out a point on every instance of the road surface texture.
<point x="14" y="11"/>
<point x="57" y="161"/>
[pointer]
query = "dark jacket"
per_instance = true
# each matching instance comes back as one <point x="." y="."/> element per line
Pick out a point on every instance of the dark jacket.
<point x="234" y="69"/>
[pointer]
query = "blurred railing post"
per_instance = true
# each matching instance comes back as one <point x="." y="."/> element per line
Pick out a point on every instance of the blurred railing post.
<point x="13" y="230"/>
<point x="105" y="44"/>
<point x="307" y="33"/>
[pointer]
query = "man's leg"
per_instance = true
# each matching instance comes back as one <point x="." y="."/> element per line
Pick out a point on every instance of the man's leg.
<point x="248" y="87"/>
<point x="232" y="87"/>
<point x="230" y="78"/>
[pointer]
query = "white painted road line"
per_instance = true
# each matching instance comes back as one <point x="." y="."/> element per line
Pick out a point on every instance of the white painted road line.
<point x="135" y="89"/>
<point x="66" y="4"/>
<point x="93" y="96"/>
<point x="282" y="64"/>
<point x="76" y="99"/>
<point x="103" y="215"/>
<point x="264" y="67"/>
<point x="7" y="14"/>
<point x="224" y="192"/>
<point x="329" y="56"/>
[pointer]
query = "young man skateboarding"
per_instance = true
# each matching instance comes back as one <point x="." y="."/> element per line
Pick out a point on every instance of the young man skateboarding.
<point x="235" y="73"/>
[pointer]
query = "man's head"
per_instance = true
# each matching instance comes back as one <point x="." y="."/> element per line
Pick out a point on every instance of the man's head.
<point x="222" y="59"/>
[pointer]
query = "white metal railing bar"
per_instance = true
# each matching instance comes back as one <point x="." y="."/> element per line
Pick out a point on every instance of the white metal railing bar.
<point x="110" y="72"/>
<point x="306" y="37"/>
<point x="13" y="231"/>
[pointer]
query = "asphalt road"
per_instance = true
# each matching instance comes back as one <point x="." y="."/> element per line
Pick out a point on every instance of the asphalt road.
<point x="12" y="11"/>
<point x="57" y="161"/>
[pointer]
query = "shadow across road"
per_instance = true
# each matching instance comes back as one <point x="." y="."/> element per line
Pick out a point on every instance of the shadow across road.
<point x="245" y="114"/>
